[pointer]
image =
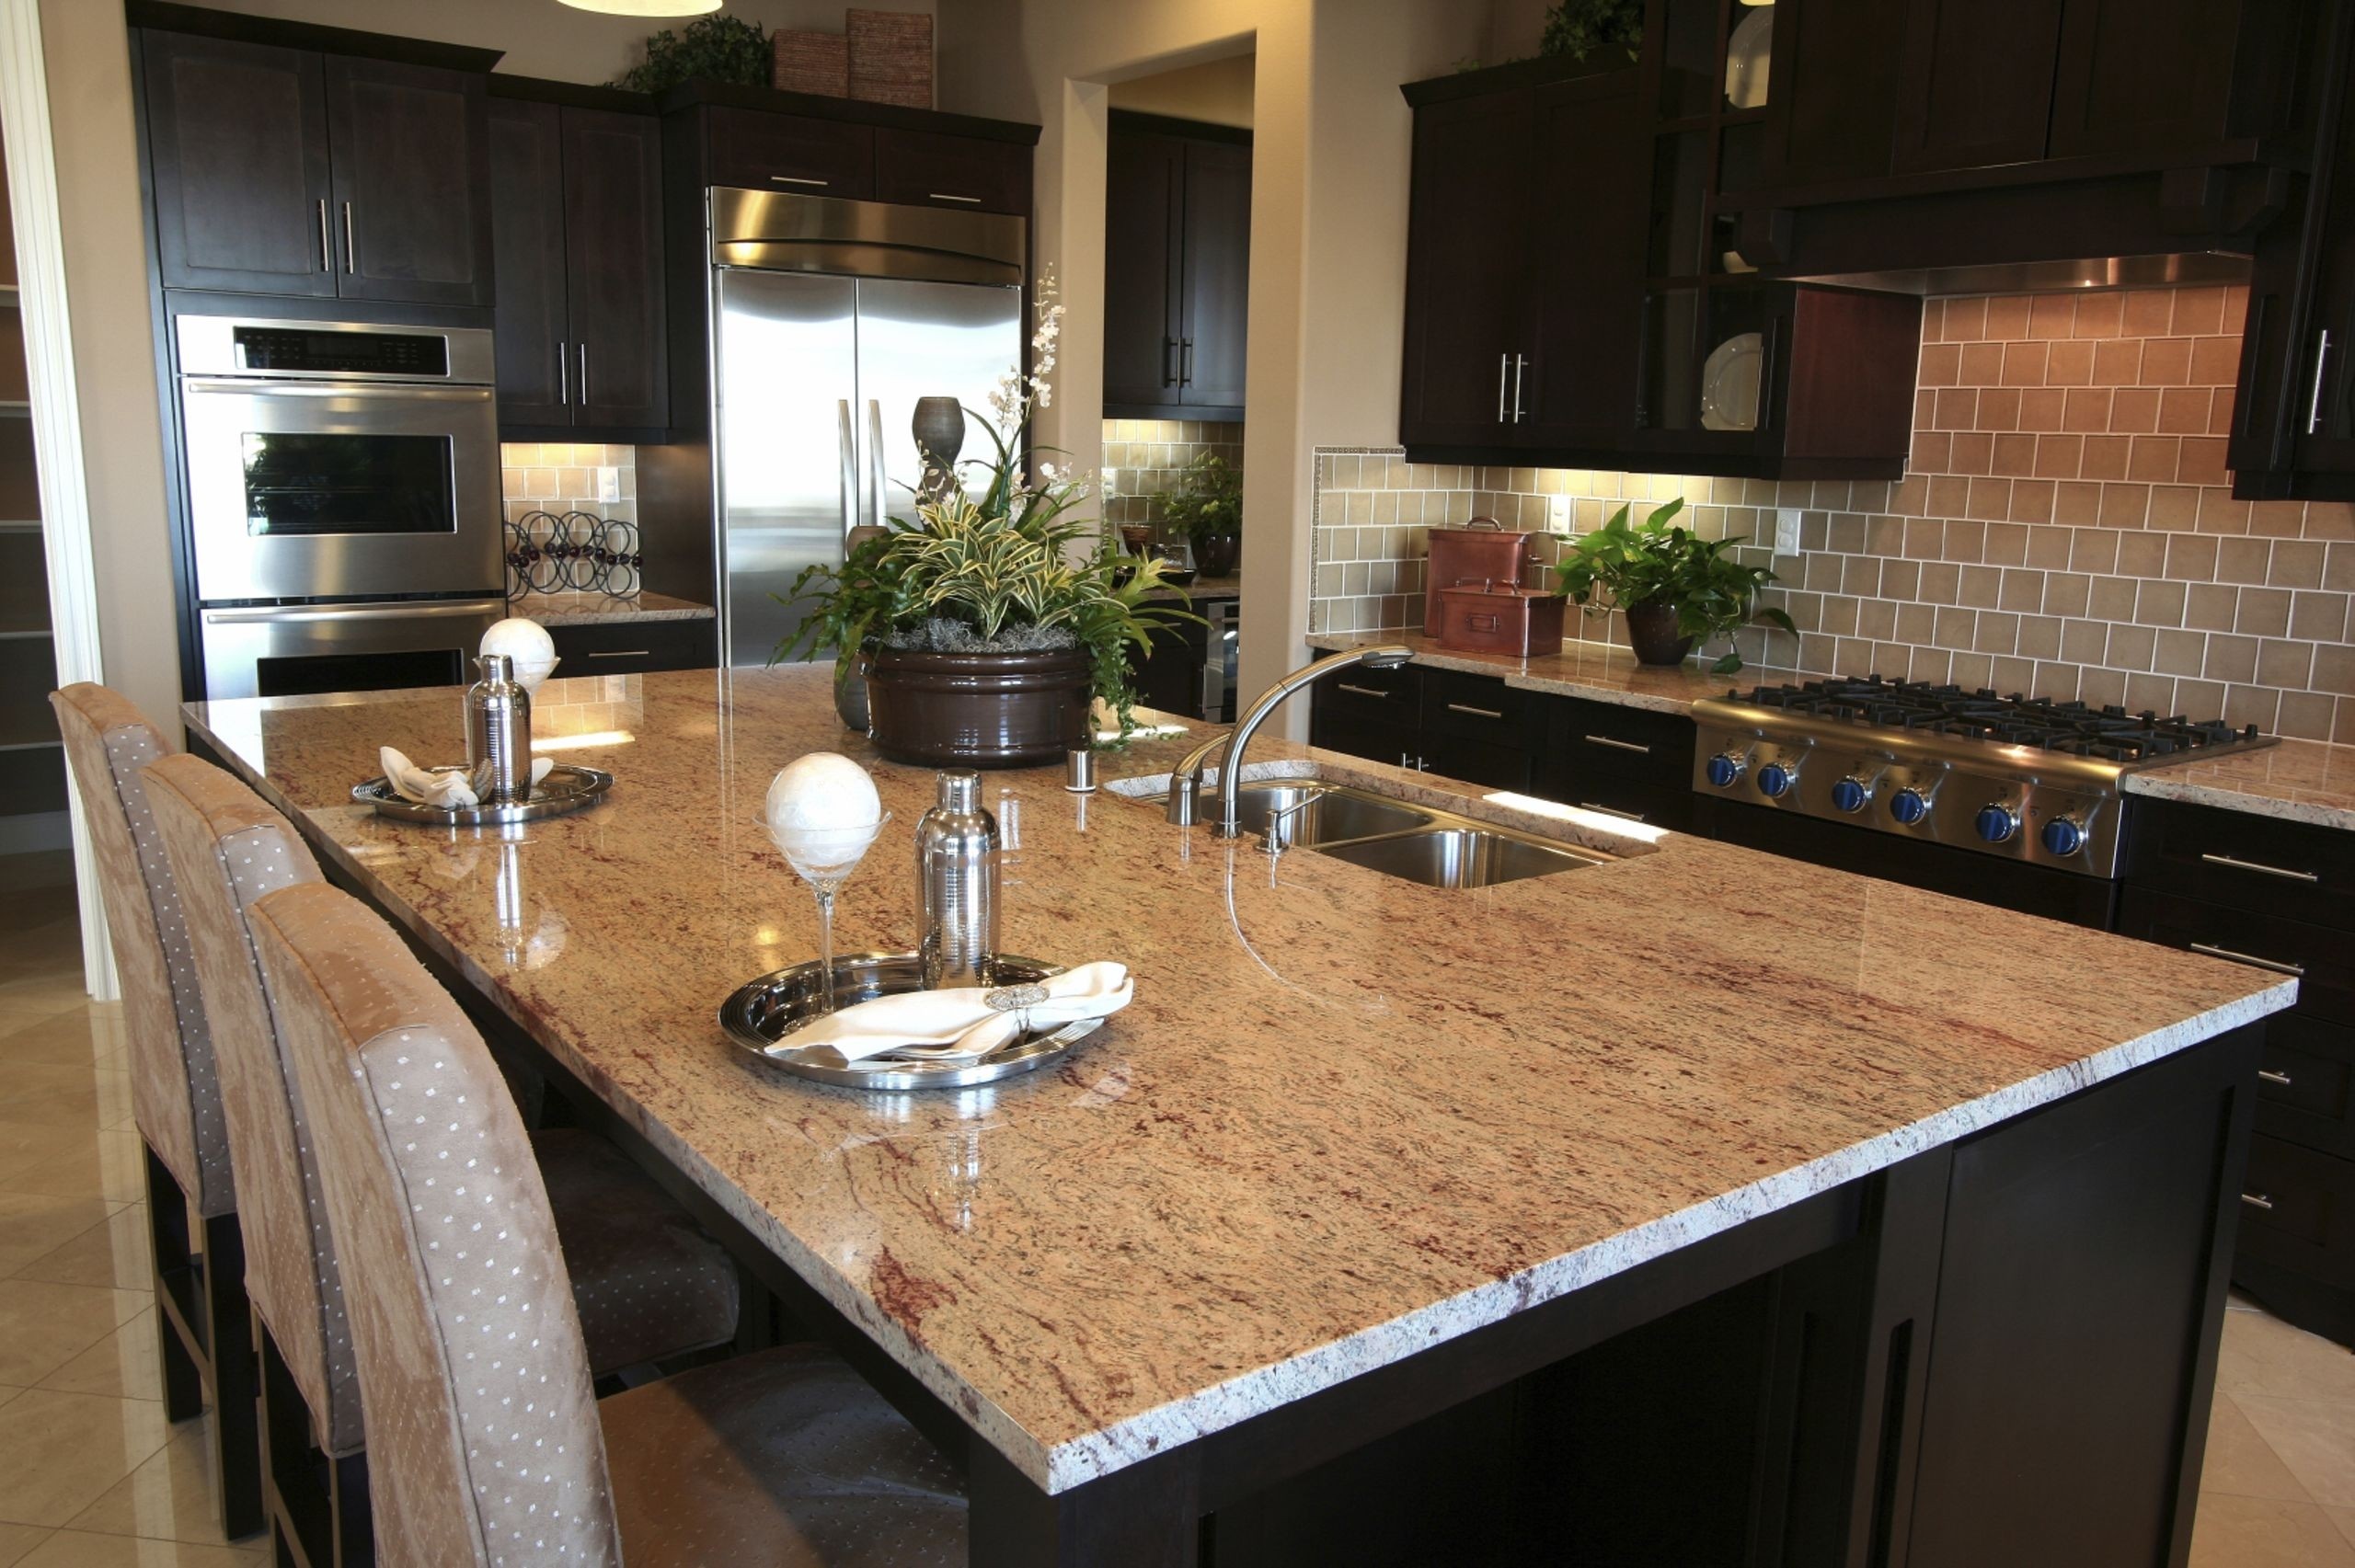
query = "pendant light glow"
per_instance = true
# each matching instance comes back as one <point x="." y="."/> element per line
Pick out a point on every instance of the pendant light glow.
<point x="644" y="7"/>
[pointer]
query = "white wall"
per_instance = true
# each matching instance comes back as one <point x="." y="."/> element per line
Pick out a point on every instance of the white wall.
<point x="1218" y="92"/>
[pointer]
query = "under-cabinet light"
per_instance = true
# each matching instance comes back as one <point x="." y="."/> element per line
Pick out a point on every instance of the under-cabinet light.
<point x="644" y="7"/>
<point x="582" y="742"/>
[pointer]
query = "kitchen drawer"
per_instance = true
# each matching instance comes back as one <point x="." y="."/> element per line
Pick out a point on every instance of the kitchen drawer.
<point x="2298" y="1210"/>
<point x="759" y="151"/>
<point x="2248" y="863"/>
<point x="2319" y="954"/>
<point x="632" y="648"/>
<point x="924" y="168"/>
<point x="1481" y="709"/>
<point x="1652" y="801"/>
<point x="1379" y="696"/>
<point x="2306" y="1084"/>
<point x="1489" y="763"/>
<point x="1591" y="737"/>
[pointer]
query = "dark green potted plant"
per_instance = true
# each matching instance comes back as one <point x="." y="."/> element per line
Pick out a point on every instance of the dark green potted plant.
<point x="1207" y="508"/>
<point x="1675" y="587"/>
<point x="716" y="49"/>
<point x="988" y="625"/>
<point x="1578" y="27"/>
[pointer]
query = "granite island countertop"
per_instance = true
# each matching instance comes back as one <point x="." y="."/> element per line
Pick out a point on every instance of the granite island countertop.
<point x="1346" y="1117"/>
<point x="2298" y="781"/>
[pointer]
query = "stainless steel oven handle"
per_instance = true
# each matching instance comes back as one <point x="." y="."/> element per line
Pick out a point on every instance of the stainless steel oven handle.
<point x="2278" y="966"/>
<point x="405" y="392"/>
<point x="2226" y="860"/>
<point x="282" y="614"/>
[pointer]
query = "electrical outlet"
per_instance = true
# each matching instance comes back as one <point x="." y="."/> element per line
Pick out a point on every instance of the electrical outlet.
<point x="1557" y="514"/>
<point x="1786" y="530"/>
<point x="609" y="484"/>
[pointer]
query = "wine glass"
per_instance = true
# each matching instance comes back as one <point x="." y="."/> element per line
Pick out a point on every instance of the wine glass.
<point x="824" y="858"/>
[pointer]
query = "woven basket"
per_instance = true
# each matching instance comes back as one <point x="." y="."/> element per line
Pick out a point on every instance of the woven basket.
<point x="891" y="57"/>
<point x="812" y="61"/>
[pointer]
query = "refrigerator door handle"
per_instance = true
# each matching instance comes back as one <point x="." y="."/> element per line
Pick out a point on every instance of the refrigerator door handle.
<point x="875" y="458"/>
<point x="850" y="470"/>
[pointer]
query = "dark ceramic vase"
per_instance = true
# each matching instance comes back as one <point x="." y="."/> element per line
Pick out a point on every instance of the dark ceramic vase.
<point x="939" y="429"/>
<point x="1215" y="553"/>
<point x="1651" y="632"/>
<point x="978" y="710"/>
<point x="850" y="699"/>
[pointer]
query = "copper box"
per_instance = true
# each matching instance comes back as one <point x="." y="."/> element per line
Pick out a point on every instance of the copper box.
<point x="809" y="61"/>
<point x="1481" y="551"/>
<point x="1498" y="618"/>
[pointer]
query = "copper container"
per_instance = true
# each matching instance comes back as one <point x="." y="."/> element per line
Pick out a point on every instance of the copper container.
<point x="1498" y="618"/>
<point x="1481" y="551"/>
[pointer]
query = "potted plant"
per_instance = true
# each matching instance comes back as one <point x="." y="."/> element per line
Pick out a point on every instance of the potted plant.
<point x="988" y="624"/>
<point x="1675" y="587"/>
<point x="1207" y="508"/>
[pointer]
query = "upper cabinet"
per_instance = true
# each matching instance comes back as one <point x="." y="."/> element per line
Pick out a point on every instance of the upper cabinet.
<point x="1177" y="267"/>
<point x="576" y="206"/>
<point x="286" y="171"/>
<point x="755" y="138"/>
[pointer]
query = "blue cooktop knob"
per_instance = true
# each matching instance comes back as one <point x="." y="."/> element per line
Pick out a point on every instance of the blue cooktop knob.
<point x="1909" y="804"/>
<point x="1997" y="822"/>
<point x="2064" y="835"/>
<point x="1851" y="794"/>
<point x="1726" y="768"/>
<point x="1776" y="780"/>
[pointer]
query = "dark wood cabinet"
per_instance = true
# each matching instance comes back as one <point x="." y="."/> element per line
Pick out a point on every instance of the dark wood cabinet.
<point x="1177" y="267"/>
<point x="927" y="168"/>
<point x="761" y="150"/>
<point x="1974" y="83"/>
<point x="1468" y="220"/>
<point x="238" y="147"/>
<point x="288" y="171"/>
<point x="577" y="194"/>
<point x="634" y="647"/>
<point x="1620" y="760"/>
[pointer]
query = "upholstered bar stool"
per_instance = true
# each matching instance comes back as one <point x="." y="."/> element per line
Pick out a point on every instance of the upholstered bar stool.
<point x="652" y="1286"/>
<point x="487" y="1443"/>
<point x="203" y="1320"/>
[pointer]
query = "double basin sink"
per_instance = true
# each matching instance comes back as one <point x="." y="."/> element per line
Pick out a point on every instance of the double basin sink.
<point x="1417" y="843"/>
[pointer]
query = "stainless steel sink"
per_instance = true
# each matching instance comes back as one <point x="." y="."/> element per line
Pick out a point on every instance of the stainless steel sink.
<point x="1459" y="857"/>
<point x="1307" y="812"/>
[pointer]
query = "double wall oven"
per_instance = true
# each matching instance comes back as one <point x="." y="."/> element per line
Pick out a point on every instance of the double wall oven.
<point x="343" y="501"/>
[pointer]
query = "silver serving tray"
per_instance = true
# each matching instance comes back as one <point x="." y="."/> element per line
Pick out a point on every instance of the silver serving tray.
<point x="765" y="1010"/>
<point x="568" y="788"/>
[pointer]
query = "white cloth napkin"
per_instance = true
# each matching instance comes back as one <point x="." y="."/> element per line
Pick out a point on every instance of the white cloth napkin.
<point x="965" y="1023"/>
<point x="447" y="788"/>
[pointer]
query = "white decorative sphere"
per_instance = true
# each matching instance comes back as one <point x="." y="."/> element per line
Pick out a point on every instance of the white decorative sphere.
<point x="823" y="792"/>
<point x="527" y="643"/>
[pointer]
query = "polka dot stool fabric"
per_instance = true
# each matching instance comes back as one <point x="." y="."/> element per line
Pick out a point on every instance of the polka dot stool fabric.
<point x="228" y="848"/>
<point x="175" y="1096"/>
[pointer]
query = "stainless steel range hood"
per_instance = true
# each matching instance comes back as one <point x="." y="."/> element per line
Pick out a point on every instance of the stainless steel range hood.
<point x="2050" y="277"/>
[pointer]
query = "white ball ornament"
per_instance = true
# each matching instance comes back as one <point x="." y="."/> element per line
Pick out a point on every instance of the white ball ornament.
<point x="527" y="643"/>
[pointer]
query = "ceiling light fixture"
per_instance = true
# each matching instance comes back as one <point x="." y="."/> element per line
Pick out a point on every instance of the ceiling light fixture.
<point x="646" y="7"/>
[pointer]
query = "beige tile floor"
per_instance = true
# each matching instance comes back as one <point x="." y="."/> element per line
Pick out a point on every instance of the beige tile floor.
<point x="91" y="1476"/>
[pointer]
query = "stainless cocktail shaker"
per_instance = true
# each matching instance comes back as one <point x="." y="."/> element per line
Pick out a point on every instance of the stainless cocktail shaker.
<point x="957" y="855"/>
<point x="498" y="734"/>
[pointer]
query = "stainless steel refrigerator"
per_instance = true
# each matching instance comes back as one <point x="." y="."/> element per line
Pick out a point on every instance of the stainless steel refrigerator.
<point x="829" y="319"/>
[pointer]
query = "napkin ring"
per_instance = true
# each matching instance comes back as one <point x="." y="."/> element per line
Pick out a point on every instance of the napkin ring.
<point x="1017" y="1000"/>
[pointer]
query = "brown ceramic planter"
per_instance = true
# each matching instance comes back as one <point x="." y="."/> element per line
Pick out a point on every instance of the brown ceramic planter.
<point x="978" y="710"/>
<point x="1651" y="632"/>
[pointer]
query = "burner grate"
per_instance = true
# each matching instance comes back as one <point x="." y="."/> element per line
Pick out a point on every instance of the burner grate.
<point x="2110" y="732"/>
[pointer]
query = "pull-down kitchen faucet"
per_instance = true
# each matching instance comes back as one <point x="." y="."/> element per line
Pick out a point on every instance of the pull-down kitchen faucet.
<point x="1186" y="784"/>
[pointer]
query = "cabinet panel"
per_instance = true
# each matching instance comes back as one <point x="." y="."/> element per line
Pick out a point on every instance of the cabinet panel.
<point x="1975" y="82"/>
<point x="2142" y="75"/>
<point x="923" y="168"/>
<point x="411" y="165"/>
<point x="238" y="141"/>
<point x="2316" y="953"/>
<point x="1217" y="274"/>
<point x="2300" y="1211"/>
<point x="1587" y="262"/>
<point x="2243" y="861"/>
<point x="1145" y="174"/>
<point x="634" y="647"/>
<point x="1466" y="272"/>
<point x="760" y="151"/>
<point x="613" y="224"/>
<point x="1832" y="114"/>
<point x="2306" y="1084"/>
<point x="527" y="243"/>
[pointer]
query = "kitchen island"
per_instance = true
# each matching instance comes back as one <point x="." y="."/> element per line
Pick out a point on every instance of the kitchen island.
<point x="1689" y="1203"/>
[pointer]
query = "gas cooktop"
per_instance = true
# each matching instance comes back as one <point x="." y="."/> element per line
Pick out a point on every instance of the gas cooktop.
<point x="2108" y="732"/>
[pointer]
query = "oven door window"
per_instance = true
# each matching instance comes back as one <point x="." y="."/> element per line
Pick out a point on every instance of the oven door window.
<point x="308" y="484"/>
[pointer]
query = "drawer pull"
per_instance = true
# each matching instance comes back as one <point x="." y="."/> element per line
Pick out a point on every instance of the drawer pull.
<point x="945" y="196"/>
<point x="1612" y="812"/>
<point x="2256" y="1200"/>
<point x="623" y="653"/>
<point x="1618" y="745"/>
<point x="1361" y="691"/>
<point x="1476" y="713"/>
<point x="797" y="180"/>
<point x="2251" y="959"/>
<point x="2265" y="870"/>
<point x="2271" y="1076"/>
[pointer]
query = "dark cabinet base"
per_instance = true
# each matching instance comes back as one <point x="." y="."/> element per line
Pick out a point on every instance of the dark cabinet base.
<point x="634" y="647"/>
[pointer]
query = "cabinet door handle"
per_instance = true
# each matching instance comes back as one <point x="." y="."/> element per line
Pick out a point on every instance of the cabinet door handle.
<point x="1614" y="811"/>
<point x="2313" y="396"/>
<point x="1169" y="362"/>
<point x="623" y="653"/>
<point x="584" y="375"/>
<point x="1504" y="364"/>
<point x="1618" y="745"/>
<point x="797" y="179"/>
<point x="1476" y="713"/>
<point x="2271" y="1076"/>
<point x="2256" y="1200"/>
<point x="1184" y="362"/>
<point x="1519" y="365"/>
<point x="1360" y="691"/>
<point x="2251" y="959"/>
<point x="564" y="373"/>
<point x="326" y="246"/>
<point x="351" y="242"/>
<point x="950" y="196"/>
<point x="2265" y="870"/>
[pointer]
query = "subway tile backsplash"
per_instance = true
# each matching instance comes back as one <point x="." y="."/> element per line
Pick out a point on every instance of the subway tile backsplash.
<point x="1144" y="460"/>
<point x="557" y="478"/>
<point x="2065" y="527"/>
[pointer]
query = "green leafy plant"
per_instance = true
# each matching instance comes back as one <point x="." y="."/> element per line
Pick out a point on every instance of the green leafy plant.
<point x="999" y="563"/>
<point x="1579" y="27"/>
<point x="718" y="48"/>
<point x="1656" y="562"/>
<point x="1207" y="499"/>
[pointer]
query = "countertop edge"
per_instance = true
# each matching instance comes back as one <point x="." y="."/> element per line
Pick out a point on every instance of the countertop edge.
<point x="2223" y="797"/>
<point x="1520" y="680"/>
<point x="1156" y="1431"/>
